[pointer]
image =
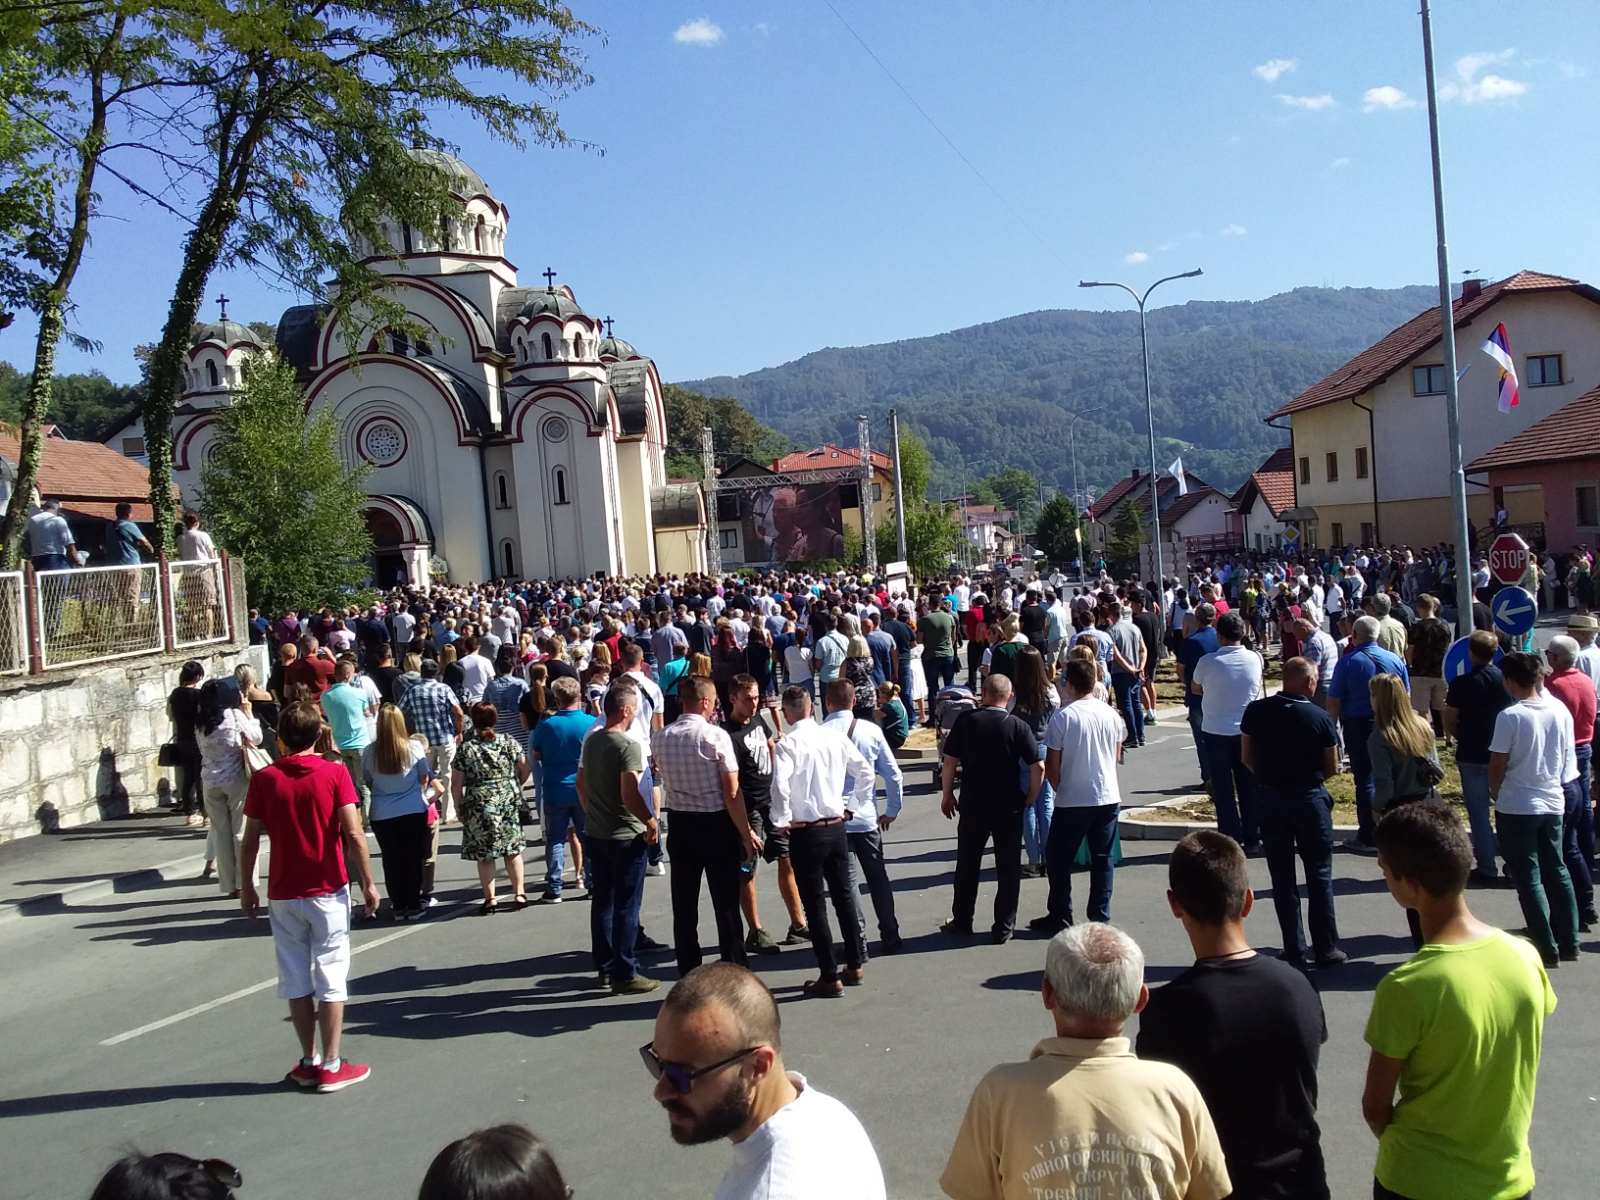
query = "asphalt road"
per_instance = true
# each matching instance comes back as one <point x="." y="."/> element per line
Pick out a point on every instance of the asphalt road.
<point x="148" y="1019"/>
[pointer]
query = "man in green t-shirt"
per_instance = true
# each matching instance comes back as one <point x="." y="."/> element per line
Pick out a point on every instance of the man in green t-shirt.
<point x="620" y="828"/>
<point x="936" y="630"/>
<point x="1457" y="1027"/>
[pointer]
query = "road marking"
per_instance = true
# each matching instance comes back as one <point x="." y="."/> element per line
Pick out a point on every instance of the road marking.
<point x="258" y="987"/>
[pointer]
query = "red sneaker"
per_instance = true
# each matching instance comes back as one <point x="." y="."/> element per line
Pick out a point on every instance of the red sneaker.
<point x="304" y="1075"/>
<point x="348" y="1074"/>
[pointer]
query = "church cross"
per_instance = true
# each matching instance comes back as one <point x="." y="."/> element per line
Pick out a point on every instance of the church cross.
<point x="608" y="326"/>
<point x="550" y="279"/>
<point x="223" y="300"/>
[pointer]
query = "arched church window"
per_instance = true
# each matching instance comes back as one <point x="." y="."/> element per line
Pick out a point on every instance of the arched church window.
<point x="549" y="348"/>
<point x="477" y="235"/>
<point x="507" y="563"/>
<point x="577" y="345"/>
<point x="211" y="374"/>
<point x="502" y="492"/>
<point x="405" y="237"/>
<point x="558" y="484"/>
<point x="398" y="343"/>
<point x="424" y="350"/>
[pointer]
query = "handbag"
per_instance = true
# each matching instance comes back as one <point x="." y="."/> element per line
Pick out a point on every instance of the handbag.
<point x="255" y="758"/>
<point x="167" y="755"/>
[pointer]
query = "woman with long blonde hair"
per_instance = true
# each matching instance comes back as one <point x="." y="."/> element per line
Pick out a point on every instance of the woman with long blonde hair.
<point x="403" y="789"/>
<point x="1405" y="760"/>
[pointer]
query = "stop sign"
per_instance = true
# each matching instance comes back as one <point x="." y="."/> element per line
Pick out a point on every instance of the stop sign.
<point x="1508" y="558"/>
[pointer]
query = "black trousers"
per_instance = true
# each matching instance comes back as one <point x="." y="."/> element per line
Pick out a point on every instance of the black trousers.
<point x="977" y="825"/>
<point x="821" y="858"/>
<point x="868" y="851"/>
<point x="403" y="842"/>
<point x="188" y="770"/>
<point x="705" y="844"/>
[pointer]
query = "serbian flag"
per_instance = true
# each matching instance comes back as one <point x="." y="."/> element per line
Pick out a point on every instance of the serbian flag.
<point x="1498" y="347"/>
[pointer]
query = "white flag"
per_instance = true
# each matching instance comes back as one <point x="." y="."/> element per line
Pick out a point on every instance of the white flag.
<point x="1176" y="471"/>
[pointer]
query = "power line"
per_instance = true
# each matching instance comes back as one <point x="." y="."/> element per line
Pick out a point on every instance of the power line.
<point x="948" y="140"/>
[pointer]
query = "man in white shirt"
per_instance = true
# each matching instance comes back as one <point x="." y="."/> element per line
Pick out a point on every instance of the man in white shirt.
<point x="477" y="669"/>
<point x="649" y="713"/>
<point x="1532" y="760"/>
<point x="829" y="653"/>
<point x="1083" y="745"/>
<point x="717" y="1060"/>
<point x="1582" y="627"/>
<point x="1226" y="681"/>
<point x="816" y="773"/>
<point x="866" y="826"/>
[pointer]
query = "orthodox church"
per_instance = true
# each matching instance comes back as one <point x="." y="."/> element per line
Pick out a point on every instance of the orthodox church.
<point x="514" y="436"/>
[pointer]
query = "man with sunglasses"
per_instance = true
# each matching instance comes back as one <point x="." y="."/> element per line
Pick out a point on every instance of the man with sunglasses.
<point x="717" y="1059"/>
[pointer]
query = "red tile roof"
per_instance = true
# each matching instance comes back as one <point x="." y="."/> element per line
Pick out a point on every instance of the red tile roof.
<point x="1112" y="498"/>
<point x="83" y="472"/>
<point x="1273" y="480"/>
<point x="1572" y="431"/>
<point x="1123" y="488"/>
<point x="1393" y="351"/>
<point x="828" y="455"/>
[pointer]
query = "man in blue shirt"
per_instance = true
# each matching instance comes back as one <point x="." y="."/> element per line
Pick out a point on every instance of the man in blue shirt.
<point x="1350" y="703"/>
<point x="556" y="745"/>
<point x="124" y="542"/>
<point x="51" y="545"/>
<point x="1192" y="649"/>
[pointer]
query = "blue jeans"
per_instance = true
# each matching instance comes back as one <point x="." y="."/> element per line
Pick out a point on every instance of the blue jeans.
<point x="1199" y="744"/>
<point x="618" y="873"/>
<point x="1036" y="824"/>
<point x="1586" y="813"/>
<point x="1475" y="795"/>
<point x="1571" y="853"/>
<point x="941" y="672"/>
<point x="1532" y="846"/>
<point x="1233" y="790"/>
<point x="1356" y="732"/>
<point x="1068" y="829"/>
<point x="1299" y="822"/>
<point x="558" y="819"/>
<point x="1131" y="705"/>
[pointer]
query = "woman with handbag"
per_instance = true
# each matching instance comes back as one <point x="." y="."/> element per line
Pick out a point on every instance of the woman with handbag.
<point x="404" y="792"/>
<point x="228" y="732"/>
<point x="1405" y="759"/>
<point x="183" y="751"/>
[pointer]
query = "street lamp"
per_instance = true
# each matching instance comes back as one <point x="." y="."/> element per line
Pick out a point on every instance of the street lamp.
<point x="1077" y="496"/>
<point x="1149" y="410"/>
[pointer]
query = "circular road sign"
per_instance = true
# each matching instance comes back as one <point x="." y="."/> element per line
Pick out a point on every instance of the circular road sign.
<point x="1457" y="661"/>
<point x="1513" y="610"/>
<point x="1508" y="558"/>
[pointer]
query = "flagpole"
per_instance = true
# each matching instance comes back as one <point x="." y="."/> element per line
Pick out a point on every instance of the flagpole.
<point x="1452" y="405"/>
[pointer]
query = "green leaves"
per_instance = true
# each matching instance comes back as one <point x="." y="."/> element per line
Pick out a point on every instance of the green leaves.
<point x="733" y="432"/>
<point x="1056" y="533"/>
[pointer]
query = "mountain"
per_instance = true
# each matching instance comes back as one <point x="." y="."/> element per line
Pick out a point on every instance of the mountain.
<point x="998" y="395"/>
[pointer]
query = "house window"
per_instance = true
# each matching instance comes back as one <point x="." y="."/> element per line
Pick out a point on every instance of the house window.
<point x="1367" y="535"/>
<point x="549" y="348"/>
<point x="1305" y="470"/>
<point x="133" y="447"/>
<point x="1361" y="462"/>
<point x="1333" y="466"/>
<point x="1588" y="504"/>
<point x="1338" y="533"/>
<point x="211" y="374"/>
<point x="558" y="484"/>
<point x="728" y="539"/>
<point x="1544" y="370"/>
<point x="877" y="492"/>
<point x="1427" y="381"/>
<point x="502" y="496"/>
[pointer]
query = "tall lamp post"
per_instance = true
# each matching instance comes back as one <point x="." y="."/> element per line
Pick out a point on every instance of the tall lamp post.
<point x="1149" y="409"/>
<point x="1077" y="496"/>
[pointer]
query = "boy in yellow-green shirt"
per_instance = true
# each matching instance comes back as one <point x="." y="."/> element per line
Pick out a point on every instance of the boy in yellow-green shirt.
<point x="1457" y="1027"/>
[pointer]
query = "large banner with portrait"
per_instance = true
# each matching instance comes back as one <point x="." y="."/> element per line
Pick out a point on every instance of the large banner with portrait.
<point x="793" y="524"/>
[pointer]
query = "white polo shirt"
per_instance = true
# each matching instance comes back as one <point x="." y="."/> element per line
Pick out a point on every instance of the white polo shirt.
<point x="1087" y="733"/>
<point x="1229" y="678"/>
<point x="1536" y="736"/>
<point x="812" y="1146"/>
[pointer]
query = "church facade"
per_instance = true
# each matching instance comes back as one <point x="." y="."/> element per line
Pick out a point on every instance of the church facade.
<point x="508" y="433"/>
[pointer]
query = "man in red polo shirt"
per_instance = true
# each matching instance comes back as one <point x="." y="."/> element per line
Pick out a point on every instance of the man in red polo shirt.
<point x="313" y="669"/>
<point x="1577" y="691"/>
<point x="307" y="806"/>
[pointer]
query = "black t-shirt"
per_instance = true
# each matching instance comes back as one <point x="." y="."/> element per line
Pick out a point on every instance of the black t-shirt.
<point x="993" y="747"/>
<point x="1249" y="1032"/>
<point x="559" y="669"/>
<point x="1033" y="621"/>
<point x="1482" y="618"/>
<point x="1149" y="626"/>
<point x="1478" y="696"/>
<point x="384" y="677"/>
<point x="185" y="705"/>
<point x="904" y="637"/>
<point x="751" y="747"/>
<point x="1288" y="735"/>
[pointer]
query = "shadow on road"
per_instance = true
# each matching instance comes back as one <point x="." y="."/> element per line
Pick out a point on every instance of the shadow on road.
<point x="67" y="1102"/>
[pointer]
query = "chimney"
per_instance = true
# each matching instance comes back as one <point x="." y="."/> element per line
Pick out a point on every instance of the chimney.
<point x="1471" y="288"/>
<point x="1136" y="472"/>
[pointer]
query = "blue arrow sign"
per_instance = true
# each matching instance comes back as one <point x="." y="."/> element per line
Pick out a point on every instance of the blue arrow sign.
<point x="1514" y="610"/>
<point x="1458" y="662"/>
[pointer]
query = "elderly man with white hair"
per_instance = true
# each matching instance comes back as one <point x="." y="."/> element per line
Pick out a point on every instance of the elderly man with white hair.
<point x="1350" y="703"/>
<point x="1083" y="1105"/>
<point x="1577" y="692"/>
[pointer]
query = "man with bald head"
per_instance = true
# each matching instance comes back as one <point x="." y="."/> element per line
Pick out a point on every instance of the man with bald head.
<point x="717" y="1059"/>
<point x="1002" y="770"/>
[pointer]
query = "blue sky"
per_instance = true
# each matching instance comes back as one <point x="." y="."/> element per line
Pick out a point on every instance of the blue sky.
<point x="766" y="190"/>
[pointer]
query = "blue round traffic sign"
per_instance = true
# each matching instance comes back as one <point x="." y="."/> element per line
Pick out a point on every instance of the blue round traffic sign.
<point x="1513" y="610"/>
<point x="1457" y="661"/>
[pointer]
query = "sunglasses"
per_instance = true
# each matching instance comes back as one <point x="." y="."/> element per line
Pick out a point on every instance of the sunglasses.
<point x="679" y="1076"/>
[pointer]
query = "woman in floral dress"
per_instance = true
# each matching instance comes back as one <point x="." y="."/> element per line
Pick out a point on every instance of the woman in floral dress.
<point x="486" y="781"/>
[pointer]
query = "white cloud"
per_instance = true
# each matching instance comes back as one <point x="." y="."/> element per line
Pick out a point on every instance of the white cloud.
<point x="1491" y="88"/>
<point x="1275" y="68"/>
<point x="702" y="31"/>
<point x="762" y="29"/>
<point x="1474" y="88"/>
<point x="1233" y="230"/>
<point x="1312" y="103"/>
<point x="1339" y="163"/>
<point x="1385" y="97"/>
<point x="1468" y="65"/>
<point x="1135" y="257"/>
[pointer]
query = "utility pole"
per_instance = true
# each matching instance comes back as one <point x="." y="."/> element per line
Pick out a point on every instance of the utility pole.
<point x="899" y="491"/>
<point x="708" y="488"/>
<point x="869" y="533"/>
<point x="1452" y="403"/>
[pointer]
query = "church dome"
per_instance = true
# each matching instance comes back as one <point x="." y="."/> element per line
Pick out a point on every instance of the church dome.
<point x="228" y="333"/>
<point x="464" y="181"/>
<point x="615" y="347"/>
<point x="556" y="303"/>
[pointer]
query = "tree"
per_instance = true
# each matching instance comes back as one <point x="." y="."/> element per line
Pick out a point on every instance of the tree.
<point x="916" y="470"/>
<point x="277" y="494"/>
<point x="933" y="537"/>
<point x="1127" y="533"/>
<point x="733" y="431"/>
<point x="1019" y="491"/>
<point x="306" y="150"/>
<point x="1056" y="534"/>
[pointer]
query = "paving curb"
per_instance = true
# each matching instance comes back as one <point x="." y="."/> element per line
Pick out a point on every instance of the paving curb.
<point x="1133" y="830"/>
<point x="176" y="870"/>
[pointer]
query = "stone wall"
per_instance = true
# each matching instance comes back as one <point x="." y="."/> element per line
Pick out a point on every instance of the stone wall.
<point x="80" y="744"/>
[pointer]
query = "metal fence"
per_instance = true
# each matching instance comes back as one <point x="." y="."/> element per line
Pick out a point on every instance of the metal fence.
<point x="90" y="614"/>
<point x="13" y="624"/>
<point x="199" y="605"/>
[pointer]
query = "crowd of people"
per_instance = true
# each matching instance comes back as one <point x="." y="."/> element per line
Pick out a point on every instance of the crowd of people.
<point x="755" y="719"/>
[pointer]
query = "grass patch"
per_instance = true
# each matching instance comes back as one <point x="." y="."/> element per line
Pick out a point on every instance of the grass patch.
<point x="1169" y="689"/>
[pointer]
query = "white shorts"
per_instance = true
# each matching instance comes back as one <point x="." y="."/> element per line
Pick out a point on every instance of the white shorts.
<point x="311" y="937"/>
